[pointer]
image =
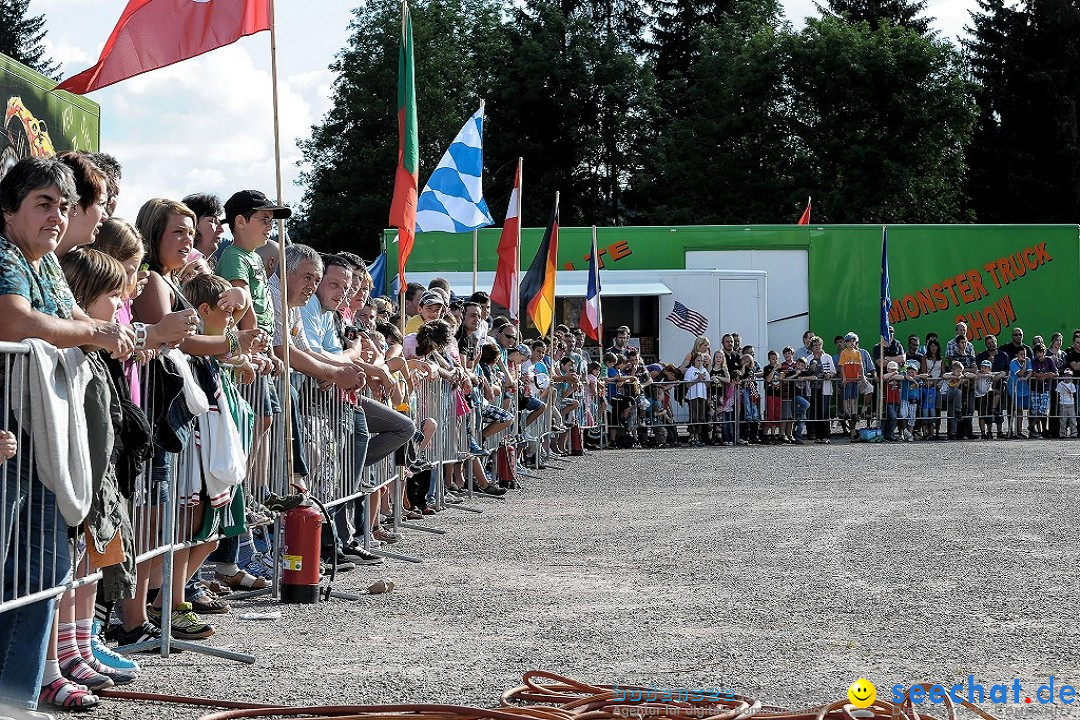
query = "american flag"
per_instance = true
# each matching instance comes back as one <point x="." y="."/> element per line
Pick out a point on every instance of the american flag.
<point x="689" y="320"/>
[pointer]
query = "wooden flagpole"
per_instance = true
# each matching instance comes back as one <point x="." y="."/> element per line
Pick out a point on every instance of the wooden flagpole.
<point x="517" y="253"/>
<point x="286" y="398"/>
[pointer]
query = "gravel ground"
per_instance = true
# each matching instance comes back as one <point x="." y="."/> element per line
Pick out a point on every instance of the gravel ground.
<point x="782" y="572"/>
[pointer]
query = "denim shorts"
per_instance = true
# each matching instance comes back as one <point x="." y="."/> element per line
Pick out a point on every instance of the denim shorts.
<point x="494" y="413"/>
<point x="161" y="474"/>
<point x="271" y="404"/>
<point x="531" y="403"/>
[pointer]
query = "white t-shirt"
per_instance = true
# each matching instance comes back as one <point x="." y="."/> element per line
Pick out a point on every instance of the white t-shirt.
<point x="1066" y="390"/>
<point x="696" y="390"/>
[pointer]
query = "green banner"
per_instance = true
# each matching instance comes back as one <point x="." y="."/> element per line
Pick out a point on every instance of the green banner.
<point x="40" y="123"/>
<point x="991" y="276"/>
<point x="620" y="248"/>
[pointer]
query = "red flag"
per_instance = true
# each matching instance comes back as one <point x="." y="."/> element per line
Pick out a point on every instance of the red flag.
<point x="505" y="289"/>
<point x="403" y="205"/>
<point x="805" y="219"/>
<point x="154" y="33"/>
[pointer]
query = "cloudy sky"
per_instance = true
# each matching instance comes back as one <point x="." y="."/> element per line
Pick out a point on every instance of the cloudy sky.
<point x="206" y="124"/>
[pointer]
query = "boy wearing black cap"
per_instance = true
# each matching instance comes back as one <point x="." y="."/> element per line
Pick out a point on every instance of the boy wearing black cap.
<point x="250" y="215"/>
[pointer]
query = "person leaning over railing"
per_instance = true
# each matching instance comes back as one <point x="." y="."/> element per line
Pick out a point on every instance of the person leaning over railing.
<point x="35" y="302"/>
<point x="1043" y="370"/>
<point x="384" y="422"/>
<point x="303" y="272"/>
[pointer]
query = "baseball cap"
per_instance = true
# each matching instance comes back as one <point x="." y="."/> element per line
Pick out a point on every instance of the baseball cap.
<point x="520" y="349"/>
<point x="892" y="365"/>
<point x="986" y="363"/>
<point x="246" y="201"/>
<point x="431" y="298"/>
<point x="851" y="336"/>
<point x="912" y="364"/>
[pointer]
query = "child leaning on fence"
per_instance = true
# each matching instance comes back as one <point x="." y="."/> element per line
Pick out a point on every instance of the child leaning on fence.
<point x="986" y="392"/>
<point x="1066" y="393"/>
<point x="696" y="378"/>
<point x="1043" y="369"/>
<point x="909" y="400"/>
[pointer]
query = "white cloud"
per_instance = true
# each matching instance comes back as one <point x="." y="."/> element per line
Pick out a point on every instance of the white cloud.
<point x="207" y="124"/>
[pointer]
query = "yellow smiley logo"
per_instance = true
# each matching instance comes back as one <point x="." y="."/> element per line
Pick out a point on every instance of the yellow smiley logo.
<point x="862" y="693"/>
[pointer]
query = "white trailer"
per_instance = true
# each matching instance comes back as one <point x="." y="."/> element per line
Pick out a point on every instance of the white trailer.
<point x="732" y="300"/>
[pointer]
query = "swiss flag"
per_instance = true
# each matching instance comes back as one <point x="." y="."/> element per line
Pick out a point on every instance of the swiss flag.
<point x="154" y="33"/>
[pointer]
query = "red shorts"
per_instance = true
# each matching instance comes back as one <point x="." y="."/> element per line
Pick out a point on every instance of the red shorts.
<point x="773" y="414"/>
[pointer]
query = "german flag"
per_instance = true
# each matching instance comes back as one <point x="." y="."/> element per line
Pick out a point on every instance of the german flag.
<point x="538" y="285"/>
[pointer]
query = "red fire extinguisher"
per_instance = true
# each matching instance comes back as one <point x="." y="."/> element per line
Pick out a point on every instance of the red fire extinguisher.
<point x="300" y="555"/>
<point x="576" y="446"/>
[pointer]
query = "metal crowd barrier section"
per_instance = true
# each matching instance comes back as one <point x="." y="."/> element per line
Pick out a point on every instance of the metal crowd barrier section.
<point x="36" y="558"/>
<point x="172" y="512"/>
<point x="327" y="425"/>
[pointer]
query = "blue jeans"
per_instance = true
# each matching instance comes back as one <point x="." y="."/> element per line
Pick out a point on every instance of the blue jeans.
<point x="727" y="426"/>
<point x="888" y="428"/>
<point x="40" y="552"/>
<point x="801" y="406"/>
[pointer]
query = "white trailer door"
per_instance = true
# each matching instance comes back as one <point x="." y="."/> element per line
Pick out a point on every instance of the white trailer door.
<point x="788" y="288"/>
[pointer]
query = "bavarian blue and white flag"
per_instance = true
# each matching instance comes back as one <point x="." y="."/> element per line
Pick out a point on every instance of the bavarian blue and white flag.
<point x="453" y="200"/>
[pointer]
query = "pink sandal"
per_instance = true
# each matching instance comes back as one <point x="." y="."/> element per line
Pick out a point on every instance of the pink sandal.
<point x="78" y="697"/>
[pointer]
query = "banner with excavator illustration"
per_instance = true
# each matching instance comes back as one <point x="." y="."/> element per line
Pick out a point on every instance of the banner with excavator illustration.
<point x="39" y="123"/>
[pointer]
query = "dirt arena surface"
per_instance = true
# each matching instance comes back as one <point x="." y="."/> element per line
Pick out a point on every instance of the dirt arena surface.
<point x="781" y="572"/>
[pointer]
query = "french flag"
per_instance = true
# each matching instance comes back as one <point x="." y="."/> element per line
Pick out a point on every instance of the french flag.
<point x="506" y="287"/>
<point x="592" y="318"/>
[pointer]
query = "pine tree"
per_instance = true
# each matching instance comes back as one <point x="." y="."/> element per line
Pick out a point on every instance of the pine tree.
<point x="883" y="117"/>
<point x="352" y="153"/>
<point x="1025" y="154"/>
<point x="724" y="158"/>
<point x="570" y="100"/>
<point x="21" y="36"/>
<point x="873" y="12"/>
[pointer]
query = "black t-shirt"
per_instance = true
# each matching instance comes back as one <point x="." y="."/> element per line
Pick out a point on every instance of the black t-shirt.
<point x="772" y="381"/>
<point x="1000" y="360"/>
<point x="734" y="365"/>
<point x="893" y="349"/>
<point x="1072" y="355"/>
<point x="1010" y="350"/>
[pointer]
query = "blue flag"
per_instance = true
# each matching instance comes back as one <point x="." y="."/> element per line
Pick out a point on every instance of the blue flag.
<point x="886" y="298"/>
<point x="453" y="199"/>
<point x="378" y="275"/>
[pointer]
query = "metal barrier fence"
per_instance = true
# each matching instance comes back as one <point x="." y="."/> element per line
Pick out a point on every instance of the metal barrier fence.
<point x="36" y="559"/>
<point x="809" y="407"/>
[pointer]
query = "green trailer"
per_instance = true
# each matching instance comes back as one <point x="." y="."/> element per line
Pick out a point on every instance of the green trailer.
<point x="828" y="277"/>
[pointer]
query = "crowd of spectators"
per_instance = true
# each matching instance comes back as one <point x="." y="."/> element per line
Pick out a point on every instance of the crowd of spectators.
<point x="176" y="339"/>
<point x="897" y="392"/>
